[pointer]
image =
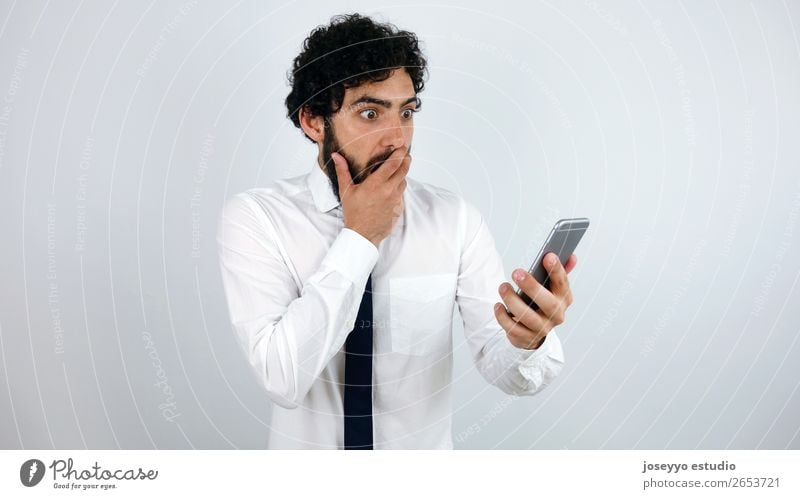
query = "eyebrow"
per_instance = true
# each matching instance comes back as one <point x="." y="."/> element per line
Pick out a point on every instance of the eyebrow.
<point x="368" y="99"/>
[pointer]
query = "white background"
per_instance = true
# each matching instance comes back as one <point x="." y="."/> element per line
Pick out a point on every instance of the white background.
<point x="672" y="125"/>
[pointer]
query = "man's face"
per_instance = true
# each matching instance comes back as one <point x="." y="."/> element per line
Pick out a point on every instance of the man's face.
<point x="375" y="119"/>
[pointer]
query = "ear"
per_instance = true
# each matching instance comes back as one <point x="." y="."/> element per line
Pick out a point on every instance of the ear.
<point x="313" y="126"/>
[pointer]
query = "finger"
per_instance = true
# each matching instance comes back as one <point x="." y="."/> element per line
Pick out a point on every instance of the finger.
<point x="397" y="211"/>
<point x="559" y="284"/>
<point x="571" y="263"/>
<point x="549" y="304"/>
<point x="342" y="172"/>
<point x="398" y="179"/>
<point x="389" y="166"/>
<point x="519" y="335"/>
<point x="402" y="171"/>
<point x="520" y="310"/>
<point x="401" y="187"/>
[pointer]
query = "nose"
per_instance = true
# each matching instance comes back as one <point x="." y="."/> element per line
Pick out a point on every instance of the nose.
<point x="396" y="135"/>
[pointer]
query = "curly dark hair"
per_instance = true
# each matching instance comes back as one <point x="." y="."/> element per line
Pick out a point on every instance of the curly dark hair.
<point x="350" y="51"/>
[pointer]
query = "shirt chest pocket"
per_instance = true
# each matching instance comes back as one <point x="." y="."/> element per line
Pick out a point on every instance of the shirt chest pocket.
<point x="421" y="313"/>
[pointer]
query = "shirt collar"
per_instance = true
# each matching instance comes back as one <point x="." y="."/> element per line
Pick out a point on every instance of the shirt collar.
<point x="321" y="190"/>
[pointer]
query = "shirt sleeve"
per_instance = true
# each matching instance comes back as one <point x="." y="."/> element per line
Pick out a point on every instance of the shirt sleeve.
<point x="515" y="371"/>
<point x="289" y="334"/>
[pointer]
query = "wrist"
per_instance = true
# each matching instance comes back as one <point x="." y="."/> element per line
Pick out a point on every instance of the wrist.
<point x="369" y="237"/>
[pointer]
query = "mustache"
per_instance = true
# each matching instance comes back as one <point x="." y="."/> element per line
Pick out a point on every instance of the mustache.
<point x="378" y="161"/>
<point x="372" y="165"/>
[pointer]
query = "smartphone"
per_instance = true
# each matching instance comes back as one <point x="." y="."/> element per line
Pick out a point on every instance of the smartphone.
<point x="562" y="241"/>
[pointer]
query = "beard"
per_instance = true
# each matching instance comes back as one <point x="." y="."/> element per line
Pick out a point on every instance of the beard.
<point x="358" y="172"/>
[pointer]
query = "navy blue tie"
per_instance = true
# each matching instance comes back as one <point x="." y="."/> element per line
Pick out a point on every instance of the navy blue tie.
<point x="358" y="377"/>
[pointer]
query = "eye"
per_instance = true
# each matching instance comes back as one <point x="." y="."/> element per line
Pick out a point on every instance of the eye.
<point x="409" y="113"/>
<point x="369" y="114"/>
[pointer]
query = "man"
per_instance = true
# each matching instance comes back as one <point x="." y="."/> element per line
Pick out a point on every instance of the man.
<point x="341" y="283"/>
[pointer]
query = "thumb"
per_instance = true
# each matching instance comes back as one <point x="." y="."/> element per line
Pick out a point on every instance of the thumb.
<point x="342" y="172"/>
<point x="572" y="261"/>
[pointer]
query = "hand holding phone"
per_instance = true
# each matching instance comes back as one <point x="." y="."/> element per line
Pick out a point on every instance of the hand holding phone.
<point x="562" y="241"/>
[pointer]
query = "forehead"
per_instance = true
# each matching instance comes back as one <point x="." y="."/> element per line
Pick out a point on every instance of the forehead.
<point x="397" y="87"/>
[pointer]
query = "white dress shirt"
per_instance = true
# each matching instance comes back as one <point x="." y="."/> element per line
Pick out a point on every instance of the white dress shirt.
<point x="294" y="278"/>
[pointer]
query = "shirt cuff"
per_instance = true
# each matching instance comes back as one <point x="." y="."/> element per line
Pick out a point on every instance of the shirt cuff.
<point x="551" y="347"/>
<point x="353" y="255"/>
